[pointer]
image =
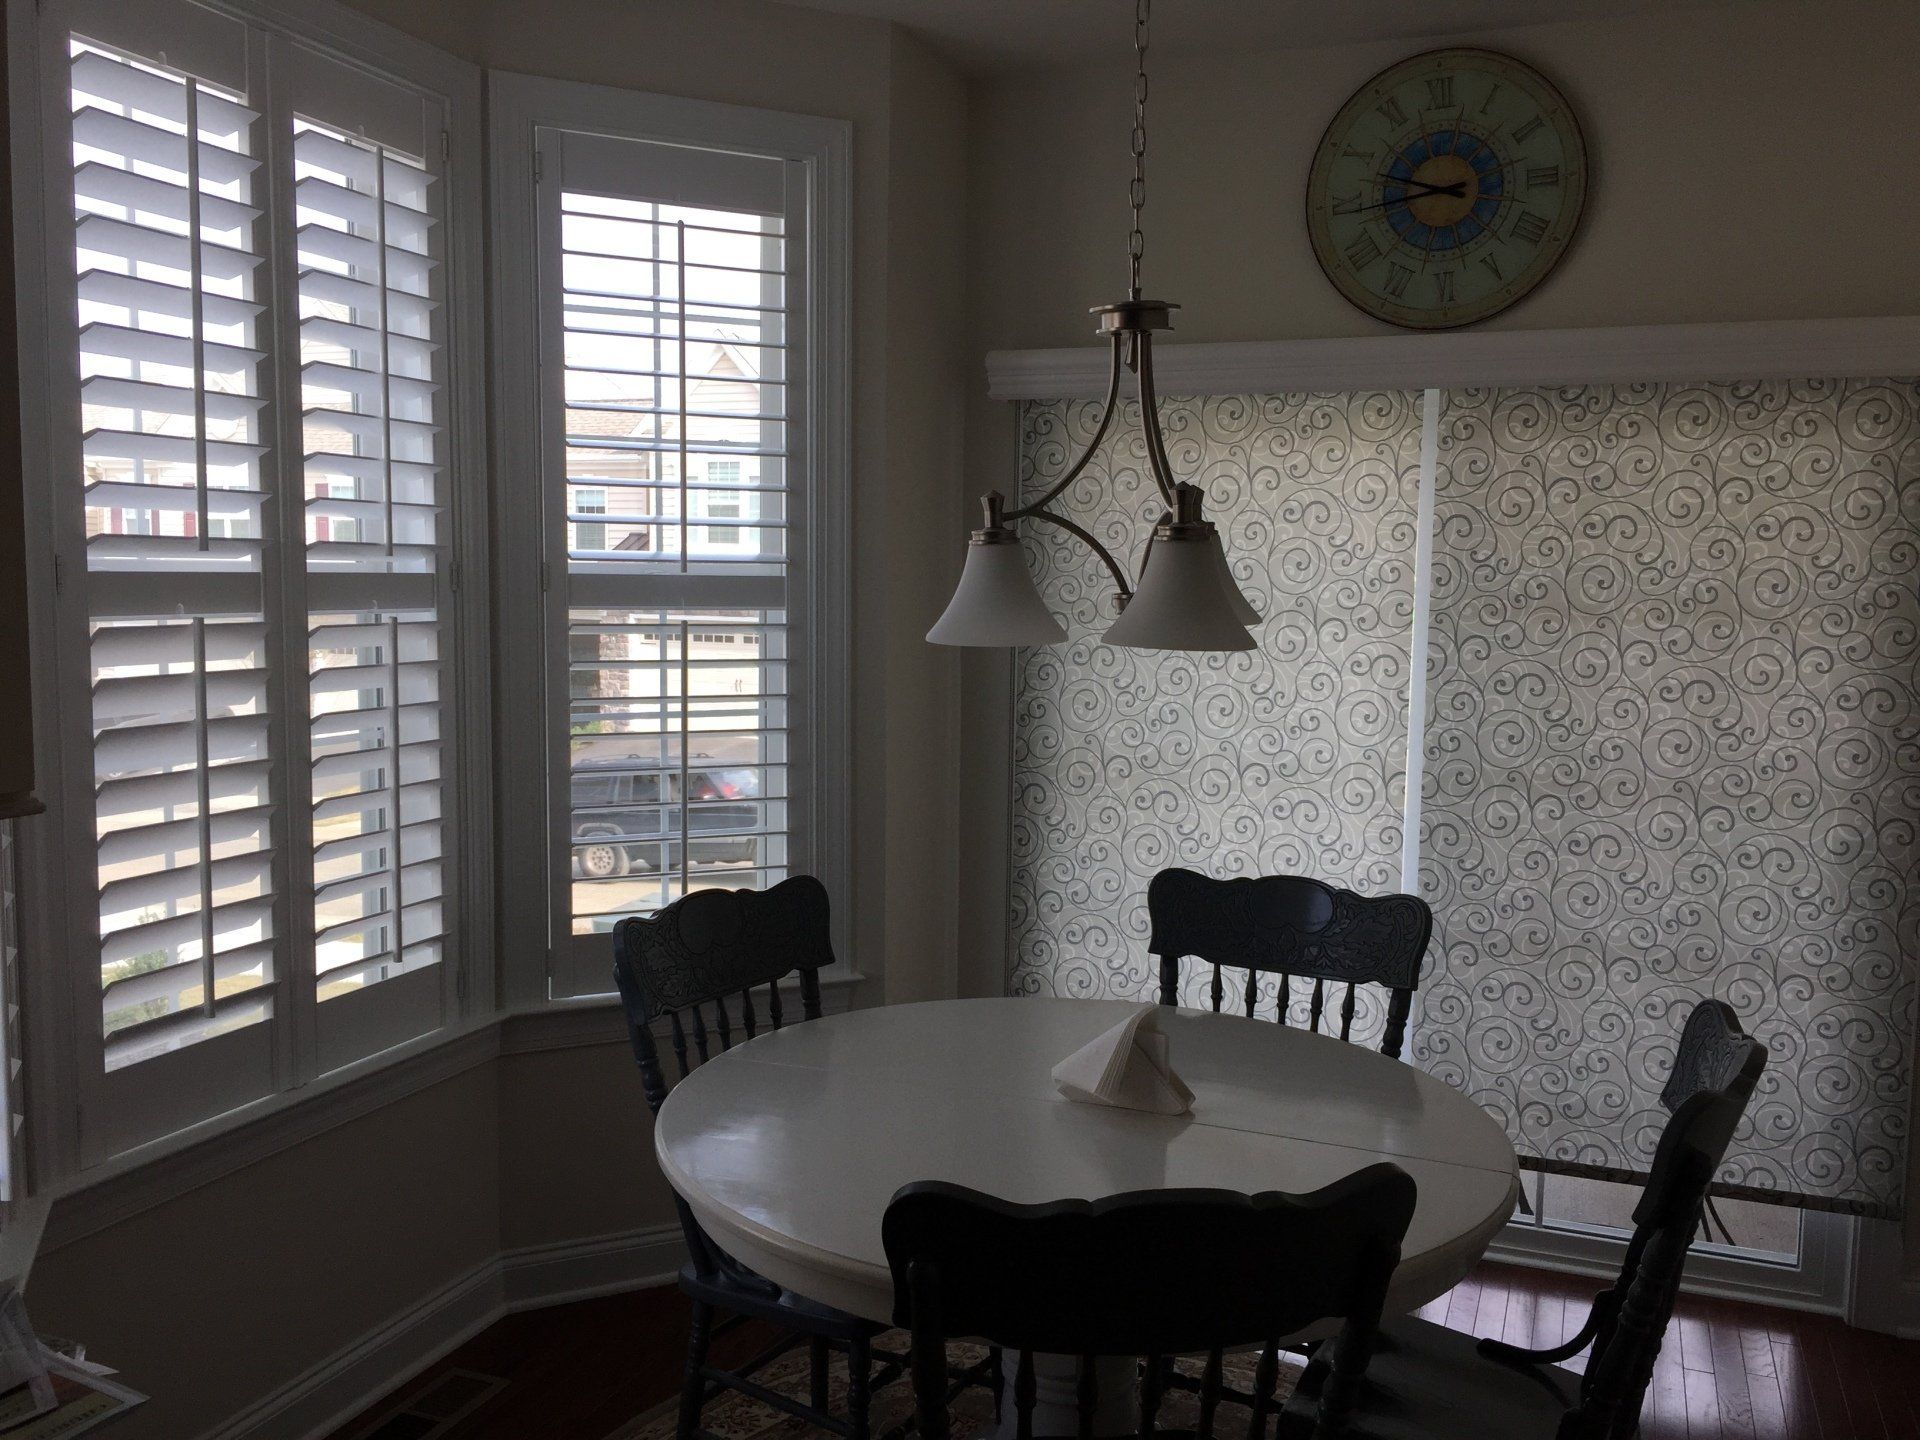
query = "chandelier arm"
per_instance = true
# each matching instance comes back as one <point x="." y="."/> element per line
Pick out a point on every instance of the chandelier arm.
<point x="1107" y="407"/>
<point x="1106" y="555"/>
<point x="1157" y="460"/>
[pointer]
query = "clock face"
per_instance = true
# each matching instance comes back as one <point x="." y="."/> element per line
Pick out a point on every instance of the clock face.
<point x="1446" y="188"/>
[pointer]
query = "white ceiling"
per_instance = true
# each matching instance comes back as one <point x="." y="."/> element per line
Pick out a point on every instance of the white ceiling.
<point x="986" y="36"/>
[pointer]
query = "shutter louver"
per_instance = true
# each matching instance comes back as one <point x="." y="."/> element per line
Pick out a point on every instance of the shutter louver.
<point x="674" y="339"/>
<point x="167" y="264"/>
<point x="370" y="386"/>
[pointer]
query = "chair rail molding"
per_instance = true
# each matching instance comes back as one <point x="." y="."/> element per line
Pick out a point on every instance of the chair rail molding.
<point x="1740" y="350"/>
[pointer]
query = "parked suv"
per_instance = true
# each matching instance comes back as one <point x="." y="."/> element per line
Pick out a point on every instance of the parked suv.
<point x="626" y="817"/>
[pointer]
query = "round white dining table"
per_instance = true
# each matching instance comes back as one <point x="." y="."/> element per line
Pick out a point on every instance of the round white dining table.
<point x="788" y="1147"/>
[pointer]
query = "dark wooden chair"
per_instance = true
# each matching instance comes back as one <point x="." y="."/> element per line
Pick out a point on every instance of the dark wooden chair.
<point x="1425" y="1378"/>
<point x="1296" y="928"/>
<point x="1151" y="1274"/>
<point x="696" y="964"/>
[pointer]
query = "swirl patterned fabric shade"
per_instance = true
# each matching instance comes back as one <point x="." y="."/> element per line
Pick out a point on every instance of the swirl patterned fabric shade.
<point x="1671" y="749"/>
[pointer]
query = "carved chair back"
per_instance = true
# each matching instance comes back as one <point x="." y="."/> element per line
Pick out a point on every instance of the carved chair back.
<point x="1715" y="1068"/>
<point x="1155" y="1273"/>
<point x="1298" y="929"/>
<point x="697" y="964"/>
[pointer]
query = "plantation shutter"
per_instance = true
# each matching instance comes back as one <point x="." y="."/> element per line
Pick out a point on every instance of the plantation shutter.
<point x="672" y="321"/>
<point x="368" y="201"/>
<point x="261" y="533"/>
<point x="167" y="194"/>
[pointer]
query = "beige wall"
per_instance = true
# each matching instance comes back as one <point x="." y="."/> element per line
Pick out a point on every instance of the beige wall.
<point x="325" y="1240"/>
<point x="1747" y="164"/>
<point x="215" y="1298"/>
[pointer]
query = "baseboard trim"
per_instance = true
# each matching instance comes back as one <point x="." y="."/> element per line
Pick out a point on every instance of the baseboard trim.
<point x="331" y="1393"/>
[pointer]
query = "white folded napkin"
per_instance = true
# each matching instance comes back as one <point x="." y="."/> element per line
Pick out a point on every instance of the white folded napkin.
<point x="1126" y="1067"/>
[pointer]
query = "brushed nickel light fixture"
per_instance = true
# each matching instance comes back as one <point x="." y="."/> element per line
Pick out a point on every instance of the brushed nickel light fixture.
<point x="1186" y="598"/>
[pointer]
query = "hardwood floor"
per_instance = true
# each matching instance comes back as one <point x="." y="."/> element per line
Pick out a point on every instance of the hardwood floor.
<point x="1728" y="1371"/>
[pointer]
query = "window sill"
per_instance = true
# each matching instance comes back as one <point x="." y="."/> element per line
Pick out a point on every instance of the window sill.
<point x="140" y="1179"/>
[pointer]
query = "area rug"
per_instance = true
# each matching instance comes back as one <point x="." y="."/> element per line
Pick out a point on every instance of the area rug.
<point x="733" y="1416"/>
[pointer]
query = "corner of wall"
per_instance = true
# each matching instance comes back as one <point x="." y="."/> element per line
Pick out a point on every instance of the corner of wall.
<point x="924" y="400"/>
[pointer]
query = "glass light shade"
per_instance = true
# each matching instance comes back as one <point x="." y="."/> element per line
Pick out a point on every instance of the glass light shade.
<point x="995" y="603"/>
<point x="1237" y="601"/>
<point x="1180" y="603"/>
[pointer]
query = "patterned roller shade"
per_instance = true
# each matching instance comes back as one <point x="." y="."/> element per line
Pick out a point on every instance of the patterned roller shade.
<point x="1671" y="743"/>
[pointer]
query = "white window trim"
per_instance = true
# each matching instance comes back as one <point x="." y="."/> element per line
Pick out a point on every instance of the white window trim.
<point x="37" y="51"/>
<point x="518" y="105"/>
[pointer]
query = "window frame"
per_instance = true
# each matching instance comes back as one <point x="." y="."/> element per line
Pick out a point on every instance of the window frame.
<point x="529" y="577"/>
<point x="60" y="935"/>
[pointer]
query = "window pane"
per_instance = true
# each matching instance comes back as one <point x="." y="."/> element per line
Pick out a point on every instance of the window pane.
<point x="675" y="337"/>
<point x="678" y="745"/>
<point x="1570" y="1201"/>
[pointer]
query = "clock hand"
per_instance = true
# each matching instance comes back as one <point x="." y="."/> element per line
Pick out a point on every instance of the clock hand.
<point x="1457" y="191"/>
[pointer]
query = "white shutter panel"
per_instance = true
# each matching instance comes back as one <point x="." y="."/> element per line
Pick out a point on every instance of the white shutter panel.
<point x="371" y="375"/>
<point x="252" y="522"/>
<point x="168" y="275"/>
<point x="673" y="468"/>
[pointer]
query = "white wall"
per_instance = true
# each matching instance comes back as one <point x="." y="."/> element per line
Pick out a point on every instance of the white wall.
<point x="225" y="1293"/>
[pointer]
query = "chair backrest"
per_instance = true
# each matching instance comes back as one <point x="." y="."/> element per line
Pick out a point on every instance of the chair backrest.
<point x="1716" y="1065"/>
<point x="712" y="947"/>
<point x="1293" y="927"/>
<point x="694" y="957"/>
<point x="1156" y="1273"/>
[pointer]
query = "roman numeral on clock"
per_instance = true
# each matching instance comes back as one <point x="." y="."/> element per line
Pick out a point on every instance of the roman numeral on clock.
<point x="1492" y="262"/>
<point x="1544" y="176"/>
<point x="1439" y="91"/>
<point x="1390" y="110"/>
<point x="1527" y="129"/>
<point x="1443" y="286"/>
<point x="1347" y="204"/>
<point x="1398" y="277"/>
<point x="1363" y="251"/>
<point x="1529" y="227"/>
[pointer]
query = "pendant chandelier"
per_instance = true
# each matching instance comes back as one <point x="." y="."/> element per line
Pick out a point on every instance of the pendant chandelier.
<point x="1186" y="598"/>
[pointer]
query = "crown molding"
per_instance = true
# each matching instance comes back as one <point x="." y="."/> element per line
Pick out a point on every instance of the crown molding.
<point x="1743" y="350"/>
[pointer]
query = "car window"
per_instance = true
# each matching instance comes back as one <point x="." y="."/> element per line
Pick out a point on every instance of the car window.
<point x="592" y="790"/>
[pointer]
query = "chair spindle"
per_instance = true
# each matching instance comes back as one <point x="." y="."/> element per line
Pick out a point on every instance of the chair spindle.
<point x="1153" y="1382"/>
<point x="1219" y="991"/>
<point x="773" y="1002"/>
<point x="699" y="1033"/>
<point x="1266" y="1377"/>
<point x="1209" y="1393"/>
<point x="1023" y="1396"/>
<point x="1253" y="990"/>
<point x="679" y="1043"/>
<point x="1319" y="1004"/>
<point x="750" y="1022"/>
<point x="1346" y="1015"/>
<point x="723" y="1023"/>
<point x="1286" y="997"/>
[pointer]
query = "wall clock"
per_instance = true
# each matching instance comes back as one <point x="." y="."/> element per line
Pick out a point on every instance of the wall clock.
<point x="1446" y="188"/>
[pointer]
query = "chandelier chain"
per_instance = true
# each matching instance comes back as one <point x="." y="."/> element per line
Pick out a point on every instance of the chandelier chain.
<point x="1137" y="192"/>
